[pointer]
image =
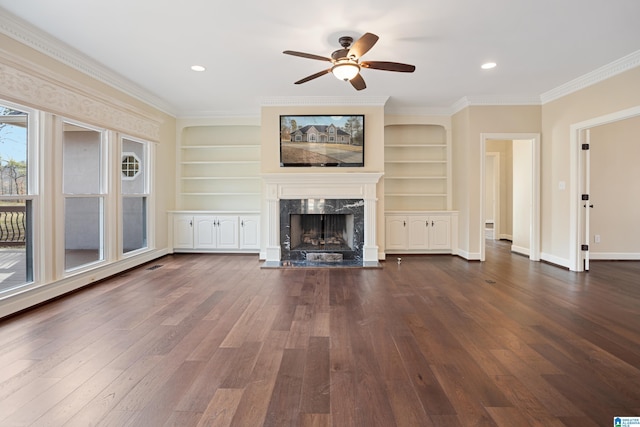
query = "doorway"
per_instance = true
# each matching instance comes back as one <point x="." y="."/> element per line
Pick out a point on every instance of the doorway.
<point x="581" y="240"/>
<point x="527" y="204"/>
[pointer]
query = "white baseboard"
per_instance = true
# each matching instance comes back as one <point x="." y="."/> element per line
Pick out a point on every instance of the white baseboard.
<point x="614" y="256"/>
<point x="520" y="250"/>
<point x="552" y="259"/>
<point x="469" y="256"/>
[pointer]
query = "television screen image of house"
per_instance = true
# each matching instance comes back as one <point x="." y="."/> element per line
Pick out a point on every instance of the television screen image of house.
<point x="322" y="140"/>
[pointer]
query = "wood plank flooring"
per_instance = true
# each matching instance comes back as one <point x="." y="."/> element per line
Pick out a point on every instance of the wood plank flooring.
<point x="214" y="340"/>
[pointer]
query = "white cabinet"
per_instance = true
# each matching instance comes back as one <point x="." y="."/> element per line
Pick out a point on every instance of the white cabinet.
<point x="215" y="232"/>
<point x="193" y="232"/>
<point x="420" y="232"/>
<point x="183" y="232"/>
<point x="250" y="232"/>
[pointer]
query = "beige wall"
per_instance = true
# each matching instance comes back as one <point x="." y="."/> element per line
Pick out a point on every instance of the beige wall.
<point x="468" y="125"/>
<point x="615" y="190"/>
<point x="612" y="95"/>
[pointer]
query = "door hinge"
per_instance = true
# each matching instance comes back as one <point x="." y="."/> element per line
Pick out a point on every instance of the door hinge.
<point x="585" y="146"/>
<point x="585" y="197"/>
<point x="584" y="247"/>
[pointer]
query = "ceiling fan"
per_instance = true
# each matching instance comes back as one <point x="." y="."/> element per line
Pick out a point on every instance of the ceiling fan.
<point x="346" y="61"/>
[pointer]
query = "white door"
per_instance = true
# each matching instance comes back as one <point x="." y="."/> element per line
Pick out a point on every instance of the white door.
<point x="440" y="232"/>
<point x="395" y="232"/>
<point x="204" y="230"/>
<point x="585" y="196"/>
<point x="418" y="237"/>
<point x="183" y="231"/>
<point x="250" y="232"/>
<point x="227" y="232"/>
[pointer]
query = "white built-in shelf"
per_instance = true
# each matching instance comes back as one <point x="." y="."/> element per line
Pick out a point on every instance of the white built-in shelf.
<point x="417" y="169"/>
<point x="219" y="168"/>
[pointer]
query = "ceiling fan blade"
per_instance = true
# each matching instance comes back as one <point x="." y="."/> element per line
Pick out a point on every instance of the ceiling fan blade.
<point x="358" y="82"/>
<point x="363" y="44"/>
<point x="307" y="55"/>
<point x="388" y="66"/>
<point x="314" y="76"/>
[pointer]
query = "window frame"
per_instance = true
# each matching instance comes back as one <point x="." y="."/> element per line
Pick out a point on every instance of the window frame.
<point x="146" y="169"/>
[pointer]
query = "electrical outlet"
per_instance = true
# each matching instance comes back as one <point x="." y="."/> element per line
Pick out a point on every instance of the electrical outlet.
<point x="596" y="238"/>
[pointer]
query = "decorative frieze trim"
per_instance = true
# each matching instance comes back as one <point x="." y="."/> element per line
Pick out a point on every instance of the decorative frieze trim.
<point x="33" y="37"/>
<point x="37" y="89"/>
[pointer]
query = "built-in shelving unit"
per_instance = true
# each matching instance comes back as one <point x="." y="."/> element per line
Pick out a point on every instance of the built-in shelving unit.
<point x="219" y="168"/>
<point x="417" y="169"/>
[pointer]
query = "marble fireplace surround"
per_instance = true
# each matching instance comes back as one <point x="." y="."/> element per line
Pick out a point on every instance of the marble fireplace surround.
<point x="350" y="185"/>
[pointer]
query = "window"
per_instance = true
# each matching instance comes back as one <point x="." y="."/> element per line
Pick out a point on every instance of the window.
<point x="84" y="195"/>
<point x="17" y="196"/>
<point x="135" y="195"/>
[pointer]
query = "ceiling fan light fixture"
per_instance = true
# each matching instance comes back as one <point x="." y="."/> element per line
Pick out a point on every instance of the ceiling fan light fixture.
<point x="345" y="70"/>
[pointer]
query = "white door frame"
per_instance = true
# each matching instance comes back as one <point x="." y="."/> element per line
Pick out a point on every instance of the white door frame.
<point x="576" y="188"/>
<point x="534" y="230"/>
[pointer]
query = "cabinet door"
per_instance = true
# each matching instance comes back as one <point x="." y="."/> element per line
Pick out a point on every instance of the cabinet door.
<point x="183" y="231"/>
<point x="227" y="232"/>
<point x="204" y="227"/>
<point x="396" y="232"/>
<point x="250" y="232"/>
<point x="440" y="232"/>
<point x="418" y="237"/>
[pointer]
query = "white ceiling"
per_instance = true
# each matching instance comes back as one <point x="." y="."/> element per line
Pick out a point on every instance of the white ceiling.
<point x="148" y="47"/>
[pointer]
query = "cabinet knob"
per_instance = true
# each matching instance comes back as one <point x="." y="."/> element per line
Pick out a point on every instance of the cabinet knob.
<point x="426" y="223"/>
<point x="404" y="223"/>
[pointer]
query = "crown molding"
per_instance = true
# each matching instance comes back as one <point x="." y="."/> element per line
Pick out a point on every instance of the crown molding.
<point x="301" y="101"/>
<point x="603" y="73"/>
<point x="418" y="111"/>
<point x="25" y="33"/>
<point x="494" y="100"/>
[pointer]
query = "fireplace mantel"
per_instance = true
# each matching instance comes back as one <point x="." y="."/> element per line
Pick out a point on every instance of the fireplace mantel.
<point x="350" y="185"/>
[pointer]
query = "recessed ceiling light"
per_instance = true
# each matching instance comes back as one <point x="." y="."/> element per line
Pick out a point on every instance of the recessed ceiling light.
<point x="197" y="68"/>
<point x="488" y="65"/>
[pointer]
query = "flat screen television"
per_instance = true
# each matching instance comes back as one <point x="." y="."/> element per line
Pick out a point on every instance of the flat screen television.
<point x="322" y="140"/>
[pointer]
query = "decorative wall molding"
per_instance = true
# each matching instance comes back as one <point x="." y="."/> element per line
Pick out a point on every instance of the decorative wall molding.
<point x="38" y="89"/>
<point x="603" y="73"/>
<point x="302" y="101"/>
<point x="494" y="100"/>
<point x="33" y="37"/>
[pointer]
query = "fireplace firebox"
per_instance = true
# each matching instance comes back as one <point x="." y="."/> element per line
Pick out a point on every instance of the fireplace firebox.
<point x="327" y="230"/>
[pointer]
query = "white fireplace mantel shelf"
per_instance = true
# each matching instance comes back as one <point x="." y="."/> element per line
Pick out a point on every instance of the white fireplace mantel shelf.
<point x="338" y="185"/>
<point x="322" y="185"/>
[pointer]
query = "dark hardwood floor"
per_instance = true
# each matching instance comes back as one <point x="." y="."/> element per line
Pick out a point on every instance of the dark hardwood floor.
<point x="214" y="340"/>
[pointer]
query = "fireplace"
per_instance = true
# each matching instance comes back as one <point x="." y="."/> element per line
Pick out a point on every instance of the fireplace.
<point x="322" y="230"/>
<point x="352" y="195"/>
